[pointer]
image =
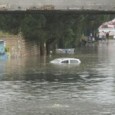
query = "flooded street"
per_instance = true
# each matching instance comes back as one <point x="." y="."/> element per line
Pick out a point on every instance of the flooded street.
<point x="33" y="86"/>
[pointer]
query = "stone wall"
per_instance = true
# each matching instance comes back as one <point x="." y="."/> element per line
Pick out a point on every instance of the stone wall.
<point x="19" y="47"/>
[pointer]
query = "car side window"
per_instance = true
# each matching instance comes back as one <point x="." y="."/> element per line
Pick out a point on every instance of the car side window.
<point x="73" y="61"/>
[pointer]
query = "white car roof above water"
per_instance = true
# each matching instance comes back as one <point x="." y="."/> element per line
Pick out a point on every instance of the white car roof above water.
<point x="66" y="60"/>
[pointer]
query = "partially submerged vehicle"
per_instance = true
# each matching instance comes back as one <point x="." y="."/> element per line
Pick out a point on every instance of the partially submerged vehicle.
<point x="65" y="51"/>
<point x="3" y="53"/>
<point x="66" y="61"/>
<point x="2" y="47"/>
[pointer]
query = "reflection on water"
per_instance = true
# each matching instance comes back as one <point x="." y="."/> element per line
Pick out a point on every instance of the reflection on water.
<point x="32" y="86"/>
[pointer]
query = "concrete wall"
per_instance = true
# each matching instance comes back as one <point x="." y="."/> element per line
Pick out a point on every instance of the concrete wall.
<point x="23" y="5"/>
<point x="19" y="47"/>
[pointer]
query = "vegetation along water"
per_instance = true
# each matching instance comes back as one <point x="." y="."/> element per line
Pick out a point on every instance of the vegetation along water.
<point x="55" y="30"/>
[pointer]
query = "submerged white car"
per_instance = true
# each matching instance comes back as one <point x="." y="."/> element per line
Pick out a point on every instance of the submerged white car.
<point x="66" y="61"/>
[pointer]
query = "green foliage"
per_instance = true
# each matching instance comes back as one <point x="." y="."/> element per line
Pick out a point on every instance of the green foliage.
<point x="33" y="28"/>
<point x="63" y="29"/>
<point x="10" y="23"/>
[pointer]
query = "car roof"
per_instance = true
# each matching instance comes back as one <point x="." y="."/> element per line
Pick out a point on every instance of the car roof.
<point x="66" y="59"/>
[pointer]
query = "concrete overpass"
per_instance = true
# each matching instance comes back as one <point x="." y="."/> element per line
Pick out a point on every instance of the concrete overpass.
<point x="57" y="5"/>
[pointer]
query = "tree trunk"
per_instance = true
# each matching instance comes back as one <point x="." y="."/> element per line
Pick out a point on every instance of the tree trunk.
<point x="42" y="49"/>
<point x="47" y="49"/>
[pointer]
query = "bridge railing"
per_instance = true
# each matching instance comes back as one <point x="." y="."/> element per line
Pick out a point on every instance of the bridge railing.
<point x="90" y="6"/>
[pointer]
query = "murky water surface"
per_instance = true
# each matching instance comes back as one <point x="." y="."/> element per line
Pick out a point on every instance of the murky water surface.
<point x="33" y="86"/>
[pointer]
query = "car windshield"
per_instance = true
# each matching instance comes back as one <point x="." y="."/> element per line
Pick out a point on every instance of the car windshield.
<point x="65" y="61"/>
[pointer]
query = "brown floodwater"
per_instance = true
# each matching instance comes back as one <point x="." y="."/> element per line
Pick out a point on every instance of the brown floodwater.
<point x="33" y="86"/>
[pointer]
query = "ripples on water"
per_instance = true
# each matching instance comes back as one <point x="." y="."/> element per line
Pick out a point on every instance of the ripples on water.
<point x="35" y="87"/>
